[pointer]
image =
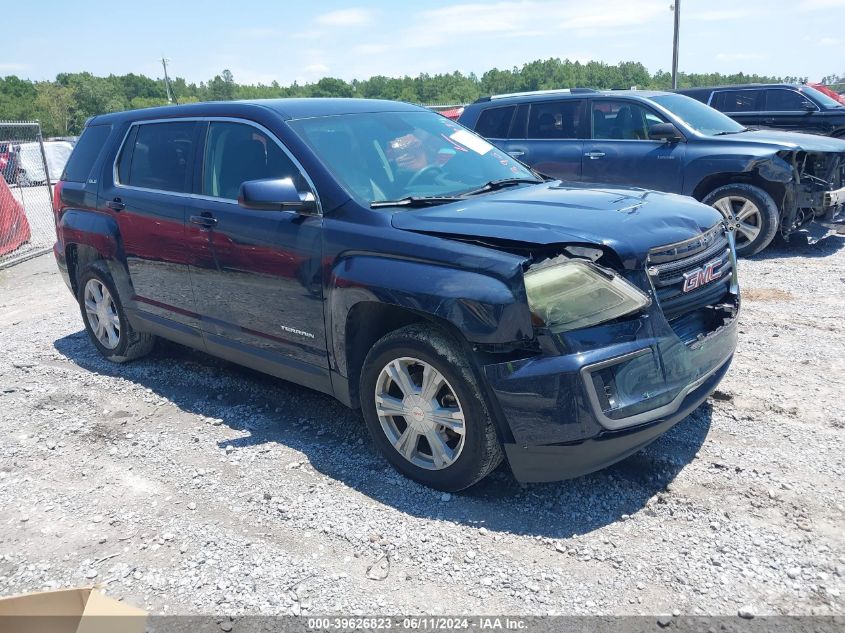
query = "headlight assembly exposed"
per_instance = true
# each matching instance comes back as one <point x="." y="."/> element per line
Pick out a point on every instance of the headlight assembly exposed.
<point x="572" y="294"/>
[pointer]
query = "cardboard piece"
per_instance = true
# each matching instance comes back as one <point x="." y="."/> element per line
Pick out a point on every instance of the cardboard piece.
<point x="82" y="610"/>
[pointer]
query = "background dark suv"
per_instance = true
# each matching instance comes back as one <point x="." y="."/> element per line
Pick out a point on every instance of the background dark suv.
<point x="761" y="181"/>
<point x="793" y="107"/>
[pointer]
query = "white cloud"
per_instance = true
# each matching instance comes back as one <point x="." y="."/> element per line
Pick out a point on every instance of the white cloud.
<point x="370" y="49"/>
<point x="12" y="67"/>
<point x="830" y="41"/>
<point x="738" y="57"/>
<point x="813" y="5"/>
<point x="316" y="68"/>
<point x="346" y="17"/>
<point x="436" y="27"/>
<point x="713" y="16"/>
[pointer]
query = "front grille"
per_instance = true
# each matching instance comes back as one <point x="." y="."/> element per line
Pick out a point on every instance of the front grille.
<point x="670" y="266"/>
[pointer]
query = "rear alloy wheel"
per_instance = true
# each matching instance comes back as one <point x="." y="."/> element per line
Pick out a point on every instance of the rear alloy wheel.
<point x="425" y="410"/>
<point x="102" y="313"/>
<point x="749" y="212"/>
<point x="105" y="320"/>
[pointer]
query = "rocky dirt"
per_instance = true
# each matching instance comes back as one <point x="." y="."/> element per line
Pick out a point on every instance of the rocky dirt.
<point x="184" y="484"/>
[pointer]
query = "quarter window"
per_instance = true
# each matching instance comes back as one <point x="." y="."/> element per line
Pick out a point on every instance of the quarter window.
<point x="556" y="119"/>
<point x="622" y="120"/>
<point x="781" y="100"/>
<point x="495" y="122"/>
<point x="236" y="153"/>
<point x="737" y="100"/>
<point x="82" y="159"/>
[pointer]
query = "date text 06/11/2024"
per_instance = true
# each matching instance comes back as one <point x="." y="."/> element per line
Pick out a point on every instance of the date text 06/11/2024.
<point x="429" y="623"/>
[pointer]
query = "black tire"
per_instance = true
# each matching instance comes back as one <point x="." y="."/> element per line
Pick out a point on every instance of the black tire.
<point x="769" y="215"/>
<point x="131" y="344"/>
<point x="481" y="451"/>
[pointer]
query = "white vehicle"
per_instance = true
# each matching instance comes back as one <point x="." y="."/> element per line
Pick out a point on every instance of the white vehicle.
<point x="31" y="165"/>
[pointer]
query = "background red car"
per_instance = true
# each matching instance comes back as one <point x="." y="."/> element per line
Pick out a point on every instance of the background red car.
<point x="14" y="227"/>
<point x="830" y="93"/>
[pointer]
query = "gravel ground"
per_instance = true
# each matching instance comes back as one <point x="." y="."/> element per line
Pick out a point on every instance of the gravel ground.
<point x="185" y="484"/>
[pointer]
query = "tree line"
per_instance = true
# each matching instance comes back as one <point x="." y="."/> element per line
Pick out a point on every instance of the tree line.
<point x="63" y="105"/>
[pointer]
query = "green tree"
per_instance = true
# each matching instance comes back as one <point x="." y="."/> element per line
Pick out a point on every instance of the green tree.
<point x="54" y="106"/>
<point x="222" y="87"/>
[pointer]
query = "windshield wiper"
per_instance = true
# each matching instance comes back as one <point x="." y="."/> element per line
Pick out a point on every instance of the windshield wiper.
<point x="415" y="201"/>
<point x="745" y="129"/>
<point x="493" y="185"/>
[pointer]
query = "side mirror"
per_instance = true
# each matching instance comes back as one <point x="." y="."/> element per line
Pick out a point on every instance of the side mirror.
<point x="276" y="194"/>
<point x="665" y="132"/>
<point x="809" y="106"/>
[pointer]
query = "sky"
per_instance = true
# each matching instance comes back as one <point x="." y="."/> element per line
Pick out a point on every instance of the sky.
<point x="266" y="40"/>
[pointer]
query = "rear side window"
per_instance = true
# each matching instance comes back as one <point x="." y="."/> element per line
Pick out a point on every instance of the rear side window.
<point x="159" y="157"/>
<point x="556" y="119"/>
<point x="495" y="122"/>
<point x="782" y="100"/>
<point x="81" y="161"/>
<point x="737" y="101"/>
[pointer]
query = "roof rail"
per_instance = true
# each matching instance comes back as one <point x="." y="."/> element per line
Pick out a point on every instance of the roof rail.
<point x="529" y="93"/>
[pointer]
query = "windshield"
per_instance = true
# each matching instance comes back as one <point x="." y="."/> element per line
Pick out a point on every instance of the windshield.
<point x="701" y="118"/>
<point x="394" y="155"/>
<point x="821" y="98"/>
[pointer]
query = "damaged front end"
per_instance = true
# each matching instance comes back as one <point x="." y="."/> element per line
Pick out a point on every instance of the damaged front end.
<point x="817" y="194"/>
<point x="594" y="394"/>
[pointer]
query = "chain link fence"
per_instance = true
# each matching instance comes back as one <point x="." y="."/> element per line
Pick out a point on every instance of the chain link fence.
<point x="26" y="194"/>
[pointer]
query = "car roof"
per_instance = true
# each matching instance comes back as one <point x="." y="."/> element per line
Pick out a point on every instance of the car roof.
<point x="740" y="87"/>
<point x="577" y="93"/>
<point x="287" y="108"/>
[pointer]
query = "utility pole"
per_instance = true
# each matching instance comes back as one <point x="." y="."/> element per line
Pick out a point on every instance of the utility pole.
<point x="170" y="97"/>
<point x="677" y="8"/>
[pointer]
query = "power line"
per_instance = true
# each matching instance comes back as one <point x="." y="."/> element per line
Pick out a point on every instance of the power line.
<point x="171" y="98"/>
<point x="676" y="7"/>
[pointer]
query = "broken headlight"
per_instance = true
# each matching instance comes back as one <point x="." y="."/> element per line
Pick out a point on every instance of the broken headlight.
<point x="571" y="294"/>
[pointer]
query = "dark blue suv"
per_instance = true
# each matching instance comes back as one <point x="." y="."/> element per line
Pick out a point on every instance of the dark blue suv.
<point x="790" y="107"/>
<point x="385" y="255"/>
<point x="763" y="182"/>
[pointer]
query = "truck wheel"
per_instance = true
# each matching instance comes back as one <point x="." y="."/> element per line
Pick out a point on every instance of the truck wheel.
<point x="106" y="321"/>
<point x="751" y="214"/>
<point x="425" y="410"/>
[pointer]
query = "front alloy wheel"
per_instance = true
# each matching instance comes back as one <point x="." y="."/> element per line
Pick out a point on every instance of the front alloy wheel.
<point x="742" y="216"/>
<point x="749" y="212"/>
<point x="420" y="413"/>
<point x="426" y="410"/>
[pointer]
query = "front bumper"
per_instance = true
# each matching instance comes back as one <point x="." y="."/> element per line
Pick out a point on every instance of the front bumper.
<point x="565" y="461"/>
<point x="619" y="387"/>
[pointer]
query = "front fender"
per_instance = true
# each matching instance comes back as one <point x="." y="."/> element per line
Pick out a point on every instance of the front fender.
<point x="483" y="308"/>
<point x="704" y="167"/>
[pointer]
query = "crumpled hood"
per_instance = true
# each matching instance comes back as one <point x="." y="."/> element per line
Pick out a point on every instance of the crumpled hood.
<point x="629" y="221"/>
<point x="789" y="140"/>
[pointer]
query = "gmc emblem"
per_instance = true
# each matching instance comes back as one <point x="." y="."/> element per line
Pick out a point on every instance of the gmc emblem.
<point x="704" y="275"/>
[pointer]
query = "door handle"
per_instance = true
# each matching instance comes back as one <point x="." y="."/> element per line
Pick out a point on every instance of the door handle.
<point x="594" y="155"/>
<point x="205" y="220"/>
<point x="116" y="204"/>
<point x="516" y="153"/>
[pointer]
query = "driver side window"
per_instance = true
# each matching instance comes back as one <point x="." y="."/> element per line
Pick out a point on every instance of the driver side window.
<point x="622" y="120"/>
<point x="236" y="153"/>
